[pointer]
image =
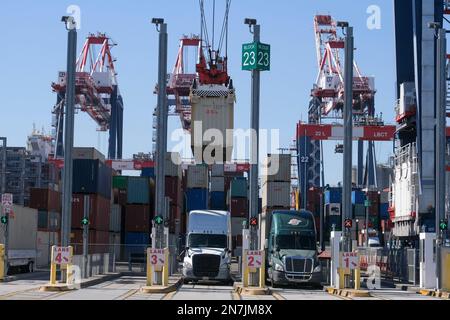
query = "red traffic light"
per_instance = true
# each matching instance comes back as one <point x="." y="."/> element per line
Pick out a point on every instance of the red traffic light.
<point x="254" y="222"/>
<point x="348" y="223"/>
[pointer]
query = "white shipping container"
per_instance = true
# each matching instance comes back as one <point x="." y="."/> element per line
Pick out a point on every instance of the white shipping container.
<point x="23" y="223"/>
<point x="45" y="241"/>
<point x="88" y="154"/>
<point x="237" y="226"/>
<point x="115" y="218"/>
<point x="217" y="170"/>
<point x="197" y="177"/>
<point x="212" y="108"/>
<point x="277" y="167"/>
<point x="276" y="194"/>
<point x="173" y="165"/>
<point x="217" y="184"/>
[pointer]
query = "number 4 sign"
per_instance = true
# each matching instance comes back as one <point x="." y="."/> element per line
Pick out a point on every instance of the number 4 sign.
<point x="254" y="259"/>
<point x="157" y="257"/>
<point x="61" y="255"/>
<point x="350" y="260"/>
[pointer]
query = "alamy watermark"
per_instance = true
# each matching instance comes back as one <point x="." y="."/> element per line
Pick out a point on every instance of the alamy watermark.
<point x="74" y="11"/>
<point x="374" y="19"/>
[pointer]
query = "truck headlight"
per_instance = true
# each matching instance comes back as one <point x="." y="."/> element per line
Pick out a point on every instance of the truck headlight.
<point x="318" y="268"/>
<point x="187" y="265"/>
<point x="279" y="267"/>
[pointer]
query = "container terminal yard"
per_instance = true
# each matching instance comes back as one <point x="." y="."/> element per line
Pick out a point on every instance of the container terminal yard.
<point x="178" y="191"/>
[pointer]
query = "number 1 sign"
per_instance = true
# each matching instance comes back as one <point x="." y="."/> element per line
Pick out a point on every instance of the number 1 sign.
<point x="350" y="260"/>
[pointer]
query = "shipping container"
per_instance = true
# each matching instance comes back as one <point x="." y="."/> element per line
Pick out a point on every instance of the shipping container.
<point x="217" y="201"/>
<point x="42" y="220"/>
<point x="99" y="211"/>
<point x="384" y="197"/>
<point x="45" y="199"/>
<point x="333" y="195"/>
<point x="173" y="165"/>
<point x="173" y="190"/>
<point x="276" y="194"/>
<point x="174" y="219"/>
<point x="239" y="188"/>
<point x="45" y="241"/>
<point x="92" y="177"/>
<point x="122" y="197"/>
<point x="135" y="243"/>
<point x="277" y="168"/>
<point x="88" y="154"/>
<point x="358" y="197"/>
<point x="22" y="228"/>
<point x="137" y="218"/>
<point x="384" y="211"/>
<point x="98" y="242"/>
<point x="217" y="184"/>
<point x="120" y="182"/>
<point x="196" y="199"/>
<point x="237" y="226"/>
<point x="359" y="211"/>
<point x="217" y="170"/>
<point x="239" y="207"/>
<point x="115" y="218"/>
<point x="148" y="173"/>
<point x="138" y="190"/>
<point x="197" y="177"/>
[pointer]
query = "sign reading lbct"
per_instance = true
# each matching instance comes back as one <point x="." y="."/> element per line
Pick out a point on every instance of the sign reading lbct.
<point x="350" y="260"/>
<point x="157" y="257"/>
<point x="256" y="56"/>
<point x="254" y="259"/>
<point x="61" y="255"/>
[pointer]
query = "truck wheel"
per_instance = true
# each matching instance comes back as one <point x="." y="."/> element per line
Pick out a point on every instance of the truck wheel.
<point x="185" y="281"/>
<point x="30" y="267"/>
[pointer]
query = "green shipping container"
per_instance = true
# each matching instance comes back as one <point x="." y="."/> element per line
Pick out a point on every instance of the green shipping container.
<point x="120" y="182"/>
<point x="239" y="188"/>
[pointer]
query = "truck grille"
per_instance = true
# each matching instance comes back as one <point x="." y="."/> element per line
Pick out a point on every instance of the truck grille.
<point x="206" y="265"/>
<point x="299" y="265"/>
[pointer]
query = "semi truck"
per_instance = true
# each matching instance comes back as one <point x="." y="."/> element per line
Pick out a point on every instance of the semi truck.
<point x="291" y="249"/>
<point x="207" y="255"/>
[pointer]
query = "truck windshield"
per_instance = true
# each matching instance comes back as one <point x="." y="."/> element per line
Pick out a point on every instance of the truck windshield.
<point x="207" y="241"/>
<point x="296" y="242"/>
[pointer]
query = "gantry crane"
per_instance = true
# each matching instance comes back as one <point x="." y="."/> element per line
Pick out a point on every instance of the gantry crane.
<point x="97" y="93"/>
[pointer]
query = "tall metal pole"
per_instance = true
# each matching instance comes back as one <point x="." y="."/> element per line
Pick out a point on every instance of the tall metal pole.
<point x="348" y="136"/>
<point x="4" y="151"/>
<point x="86" y="236"/>
<point x="441" y="115"/>
<point x="161" y="142"/>
<point x="69" y="131"/>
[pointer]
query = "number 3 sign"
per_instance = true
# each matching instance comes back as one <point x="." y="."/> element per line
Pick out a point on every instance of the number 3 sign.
<point x="157" y="257"/>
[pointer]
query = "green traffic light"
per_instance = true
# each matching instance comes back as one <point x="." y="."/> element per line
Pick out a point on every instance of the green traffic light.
<point x="159" y="220"/>
<point x="4" y="220"/>
<point x="443" y="225"/>
<point x="85" y="222"/>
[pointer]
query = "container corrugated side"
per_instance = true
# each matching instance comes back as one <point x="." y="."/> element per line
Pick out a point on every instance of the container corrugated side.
<point x="115" y="219"/>
<point x="239" y="188"/>
<point x="196" y="199"/>
<point x="137" y="218"/>
<point x="277" y="167"/>
<point x="88" y="154"/>
<point x="197" y="177"/>
<point x="217" y="170"/>
<point x="23" y="228"/>
<point x="120" y="182"/>
<point x="217" y="184"/>
<point x="276" y="194"/>
<point x="173" y="165"/>
<point x="138" y="190"/>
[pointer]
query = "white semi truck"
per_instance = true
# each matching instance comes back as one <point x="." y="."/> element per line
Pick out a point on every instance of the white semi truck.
<point x="208" y="247"/>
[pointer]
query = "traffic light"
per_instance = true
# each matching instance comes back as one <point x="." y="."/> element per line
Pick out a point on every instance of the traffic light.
<point x="159" y="220"/>
<point x="254" y="222"/>
<point x="443" y="225"/>
<point x="85" y="222"/>
<point x="4" y="220"/>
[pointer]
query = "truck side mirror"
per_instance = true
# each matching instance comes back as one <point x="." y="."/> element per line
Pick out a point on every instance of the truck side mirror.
<point x="266" y="243"/>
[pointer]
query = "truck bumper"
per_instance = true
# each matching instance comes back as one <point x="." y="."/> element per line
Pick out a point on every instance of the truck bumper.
<point x="223" y="275"/>
<point x="284" y="278"/>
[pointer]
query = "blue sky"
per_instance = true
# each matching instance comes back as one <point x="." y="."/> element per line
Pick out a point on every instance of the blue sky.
<point x="34" y="49"/>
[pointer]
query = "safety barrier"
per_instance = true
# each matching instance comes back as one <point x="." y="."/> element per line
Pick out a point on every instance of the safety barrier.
<point x="2" y="262"/>
<point x="157" y="261"/>
<point x="254" y="262"/>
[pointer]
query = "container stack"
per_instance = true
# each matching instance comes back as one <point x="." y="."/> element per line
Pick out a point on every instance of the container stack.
<point x="237" y="198"/>
<point x="384" y="211"/>
<point x="173" y="190"/>
<point x="276" y="189"/>
<point x="92" y="182"/>
<point x="48" y="204"/>
<point x="197" y="187"/>
<point x="374" y="210"/>
<point x="217" y="200"/>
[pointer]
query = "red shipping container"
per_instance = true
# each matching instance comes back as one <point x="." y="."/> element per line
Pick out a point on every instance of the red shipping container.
<point x="137" y="218"/>
<point x="45" y="199"/>
<point x="98" y="241"/>
<point x="173" y="190"/>
<point x="239" y="207"/>
<point x="99" y="211"/>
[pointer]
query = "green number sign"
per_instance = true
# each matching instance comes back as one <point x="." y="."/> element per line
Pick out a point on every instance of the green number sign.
<point x="256" y="56"/>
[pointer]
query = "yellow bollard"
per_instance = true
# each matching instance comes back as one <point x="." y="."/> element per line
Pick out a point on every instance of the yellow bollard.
<point x="53" y="268"/>
<point x="149" y="270"/>
<point x="357" y="279"/>
<point x="245" y="272"/>
<point x="341" y="278"/>
<point x="69" y="268"/>
<point x="2" y="262"/>
<point x="166" y="267"/>
<point x="262" y="271"/>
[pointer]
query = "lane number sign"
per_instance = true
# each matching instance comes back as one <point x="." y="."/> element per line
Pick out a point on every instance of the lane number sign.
<point x="61" y="256"/>
<point x="254" y="259"/>
<point x="157" y="257"/>
<point x="350" y="260"/>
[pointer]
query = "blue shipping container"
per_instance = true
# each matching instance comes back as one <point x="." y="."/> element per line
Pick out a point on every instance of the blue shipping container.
<point x="217" y="201"/>
<point x="358" y="197"/>
<point x="239" y="188"/>
<point x="148" y="173"/>
<point x="138" y="190"/>
<point x="333" y="195"/>
<point x="196" y="199"/>
<point x="92" y="177"/>
<point x="136" y="243"/>
<point x="384" y="211"/>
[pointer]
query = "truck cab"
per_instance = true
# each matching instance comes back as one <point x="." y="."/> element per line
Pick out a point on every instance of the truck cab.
<point x="292" y="253"/>
<point x="207" y="254"/>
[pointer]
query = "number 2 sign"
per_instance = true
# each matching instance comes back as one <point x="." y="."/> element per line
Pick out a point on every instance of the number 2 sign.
<point x="254" y="259"/>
